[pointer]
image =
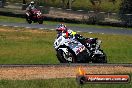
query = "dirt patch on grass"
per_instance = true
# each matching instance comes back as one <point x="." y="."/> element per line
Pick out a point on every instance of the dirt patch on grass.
<point x="28" y="73"/>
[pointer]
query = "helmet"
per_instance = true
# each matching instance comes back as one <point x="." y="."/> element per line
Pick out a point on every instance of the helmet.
<point x="61" y="28"/>
<point x="32" y="2"/>
<point x="70" y="31"/>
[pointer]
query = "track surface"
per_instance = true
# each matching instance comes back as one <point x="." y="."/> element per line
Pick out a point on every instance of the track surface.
<point x="75" y="28"/>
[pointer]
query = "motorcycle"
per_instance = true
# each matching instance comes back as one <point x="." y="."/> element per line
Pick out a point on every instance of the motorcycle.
<point x="35" y="16"/>
<point x="71" y="50"/>
<point x="97" y="55"/>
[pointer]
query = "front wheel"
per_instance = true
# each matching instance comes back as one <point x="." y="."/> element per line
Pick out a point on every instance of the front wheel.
<point x="65" y="58"/>
<point x="40" y="21"/>
<point x="28" y="19"/>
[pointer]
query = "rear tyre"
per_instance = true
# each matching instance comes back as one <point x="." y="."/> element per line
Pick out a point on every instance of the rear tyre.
<point x="83" y="57"/>
<point x="63" y="58"/>
<point x="100" y="58"/>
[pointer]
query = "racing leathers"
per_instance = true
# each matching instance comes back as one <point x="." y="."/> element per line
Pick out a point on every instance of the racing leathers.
<point x="30" y="9"/>
<point x="87" y="42"/>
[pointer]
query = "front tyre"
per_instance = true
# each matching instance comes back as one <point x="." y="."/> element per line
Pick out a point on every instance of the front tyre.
<point x="63" y="58"/>
<point x="28" y="19"/>
<point x="40" y="21"/>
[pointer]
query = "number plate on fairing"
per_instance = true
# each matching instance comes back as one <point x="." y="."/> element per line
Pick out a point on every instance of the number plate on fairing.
<point x="77" y="47"/>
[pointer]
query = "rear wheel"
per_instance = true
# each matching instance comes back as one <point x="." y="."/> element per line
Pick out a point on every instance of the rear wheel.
<point x="65" y="58"/>
<point x="100" y="58"/>
<point x="83" y="57"/>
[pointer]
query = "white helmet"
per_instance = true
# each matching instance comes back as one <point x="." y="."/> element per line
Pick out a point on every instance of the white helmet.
<point x="70" y="31"/>
<point x="32" y="2"/>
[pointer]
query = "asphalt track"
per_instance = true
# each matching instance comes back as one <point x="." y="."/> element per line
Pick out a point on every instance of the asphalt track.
<point x="120" y="31"/>
<point x="65" y="65"/>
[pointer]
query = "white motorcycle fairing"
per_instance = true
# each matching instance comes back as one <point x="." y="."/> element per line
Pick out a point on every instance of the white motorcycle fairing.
<point x="73" y="44"/>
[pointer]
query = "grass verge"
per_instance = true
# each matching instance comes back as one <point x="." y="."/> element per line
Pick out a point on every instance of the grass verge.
<point x="22" y="20"/>
<point x="33" y="46"/>
<point x="56" y="83"/>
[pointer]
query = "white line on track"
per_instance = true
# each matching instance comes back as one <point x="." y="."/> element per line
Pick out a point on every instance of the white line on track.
<point x="28" y="27"/>
<point x="78" y="31"/>
<point x="90" y="32"/>
<point x="4" y="25"/>
<point x="15" y="26"/>
<point x="52" y="29"/>
<point x="41" y="28"/>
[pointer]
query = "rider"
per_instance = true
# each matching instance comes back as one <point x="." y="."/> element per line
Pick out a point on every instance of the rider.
<point x="31" y="7"/>
<point x="62" y="30"/>
<point x="68" y="33"/>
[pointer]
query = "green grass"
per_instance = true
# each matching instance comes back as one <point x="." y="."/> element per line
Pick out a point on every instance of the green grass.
<point x="11" y="19"/>
<point x="56" y="83"/>
<point x="104" y="6"/>
<point x="26" y="46"/>
<point x="22" y="20"/>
